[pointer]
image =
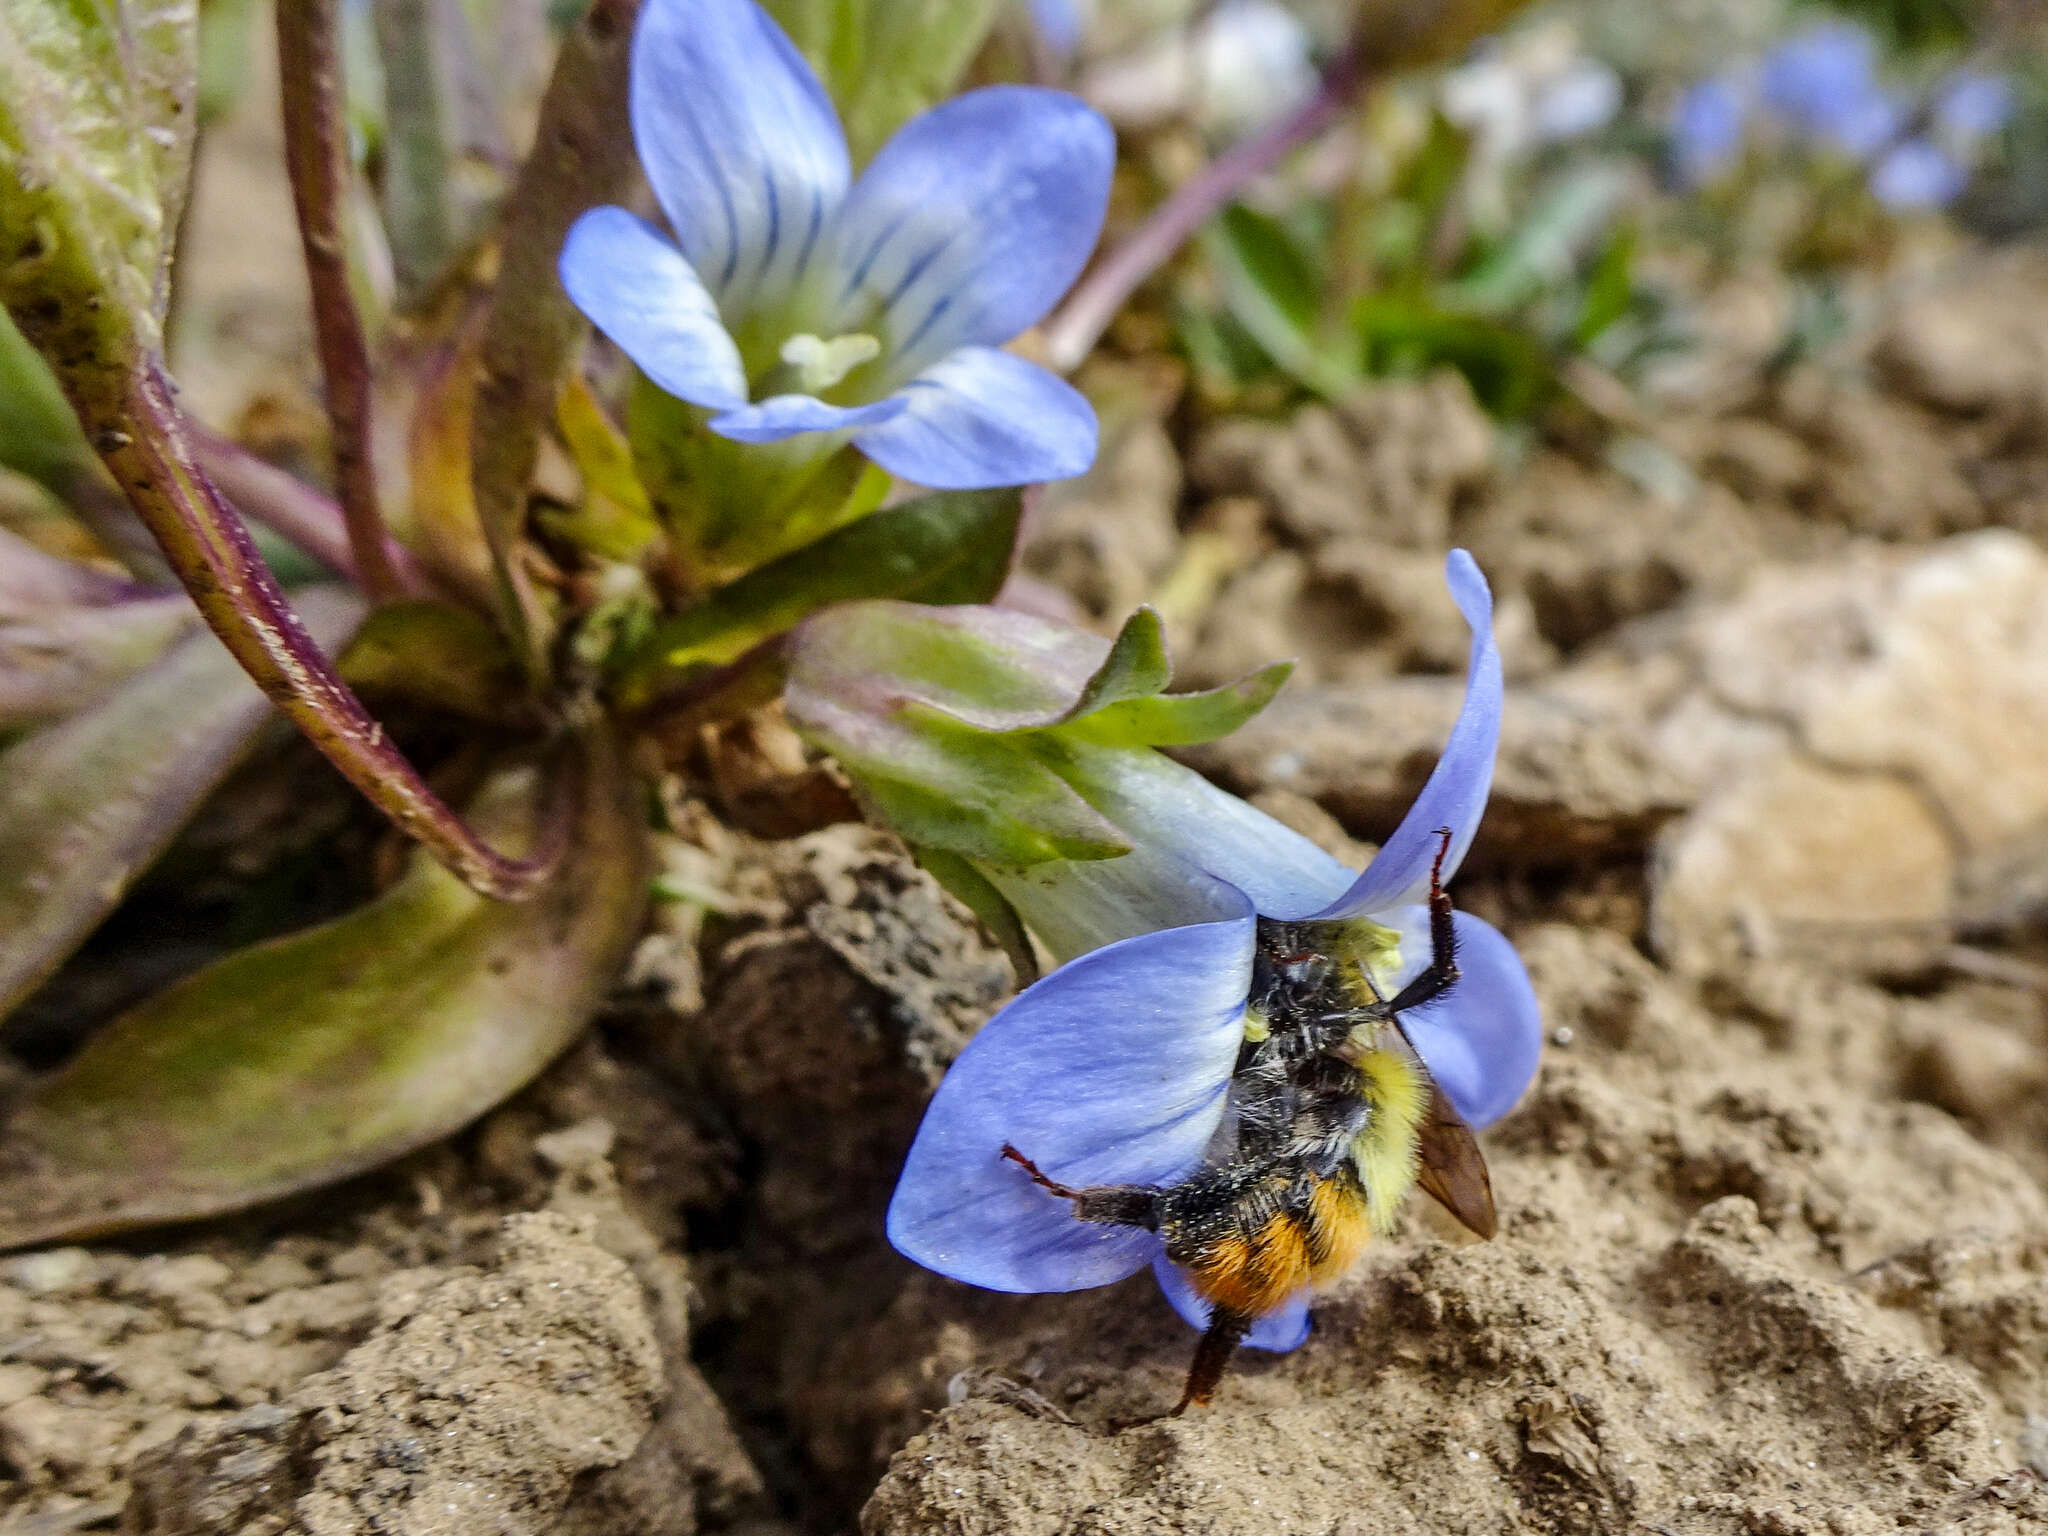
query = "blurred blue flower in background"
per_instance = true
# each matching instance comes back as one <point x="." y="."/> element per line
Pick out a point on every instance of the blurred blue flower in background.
<point x="1059" y="24"/>
<point x="1823" y="86"/>
<point x="795" y="299"/>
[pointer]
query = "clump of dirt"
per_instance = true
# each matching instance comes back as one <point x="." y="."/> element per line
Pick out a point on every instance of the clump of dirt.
<point x="488" y="1338"/>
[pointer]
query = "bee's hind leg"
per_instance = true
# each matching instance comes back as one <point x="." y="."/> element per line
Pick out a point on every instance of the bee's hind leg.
<point x="1113" y="1205"/>
<point x="1225" y="1332"/>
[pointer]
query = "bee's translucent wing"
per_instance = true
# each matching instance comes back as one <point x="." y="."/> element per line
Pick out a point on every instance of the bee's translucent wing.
<point x="1279" y="1331"/>
<point x="1112" y="1070"/>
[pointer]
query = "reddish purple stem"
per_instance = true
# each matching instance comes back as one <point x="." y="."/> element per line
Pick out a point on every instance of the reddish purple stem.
<point x="317" y="156"/>
<point x="292" y="509"/>
<point x="1072" y="333"/>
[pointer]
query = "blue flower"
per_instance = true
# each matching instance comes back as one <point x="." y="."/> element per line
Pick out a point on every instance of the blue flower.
<point x="1059" y="24"/>
<point x="1824" y="83"/>
<point x="795" y="299"/>
<point x="1707" y="128"/>
<point x="1116" y="1068"/>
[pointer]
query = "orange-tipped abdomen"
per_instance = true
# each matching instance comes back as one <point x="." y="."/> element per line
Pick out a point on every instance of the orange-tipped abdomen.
<point x="1254" y="1270"/>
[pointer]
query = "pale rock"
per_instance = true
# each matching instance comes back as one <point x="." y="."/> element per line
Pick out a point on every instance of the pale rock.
<point x="1794" y="856"/>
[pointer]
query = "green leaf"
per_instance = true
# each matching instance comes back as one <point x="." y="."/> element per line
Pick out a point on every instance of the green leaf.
<point x="884" y="61"/>
<point x="87" y="805"/>
<point x="310" y="1058"/>
<point x="1508" y="368"/>
<point x="97" y="103"/>
<point x="1610" y="286"/>
<point x="614" y="520"/>
<point x="1273" y="290"/>
<point x="1182" y="719"/>
<point x="1135" y="668"/>
<point x="918" y="704"/>
<point x="1545" y="247"/>
<point x="951" y="721"/>
<point x="948" y="547"/>
<point x="39" y="437"/>
<point x="1429" y="184"/>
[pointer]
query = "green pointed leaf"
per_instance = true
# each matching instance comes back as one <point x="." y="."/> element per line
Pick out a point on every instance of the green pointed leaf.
<point x="1135" y="668"/>
<point x="948" y="547"/>
<point x="1182" y="719"/>
<point x="1610" y="286"/>
<point x="885" y="60"/>
<point x="1275" y="293"/>
<point x="97" y="103"/>
<point x="39" y="437"/>
<point x="1545" y="247"/>
<point x="1507" y="366"/>
<point x="307" y="1059"/>
<point x="87" y="805"/>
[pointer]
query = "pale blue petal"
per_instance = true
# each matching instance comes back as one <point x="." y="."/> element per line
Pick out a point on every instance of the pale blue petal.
<point x="973" y="220"/>
<point x="1112" y="1070"/>
<point x="1280" y="1332"/>
<point x="639" y="290"/>
<point x="1706" y="130"/>
<point x="1918" y="174"/>
<point x="1455" y="795"/>
<point x="1481" y="1039"/>
<point x="740" y="142"/>
<point x="1824" y="71"/>
<point x="780" y="416"/>
<point x="983" y="418"/>
<point x="1973" y="105"/>
<point x="1058" y="23"/>
<point x="1165" y="805"/>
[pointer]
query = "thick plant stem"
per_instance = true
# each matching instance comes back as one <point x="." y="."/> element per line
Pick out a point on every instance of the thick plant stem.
<point x="317" y="157"/>
<point x="144" y="445"/>
<point x="293" y="510"/>
<point x="582" y="155"/>
<point x="1072" y="333"/>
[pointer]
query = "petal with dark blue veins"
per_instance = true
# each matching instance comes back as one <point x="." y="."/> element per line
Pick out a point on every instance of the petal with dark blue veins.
<point x="780" y="416"/>
<point x="982" y="418"/>
<point x="1481" y="1039"/>
<point x="740" y="143"/>
<point x="640" y="291"/>
<point x="973" y="220"/>
<point x="1278" y="1331"/>
<point x="1455" y="795"/>
<point x="1112" y="1070"/>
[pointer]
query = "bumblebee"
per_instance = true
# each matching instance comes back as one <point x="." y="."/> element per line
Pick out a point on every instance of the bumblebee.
<point x="1333" y="1118"/>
